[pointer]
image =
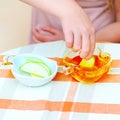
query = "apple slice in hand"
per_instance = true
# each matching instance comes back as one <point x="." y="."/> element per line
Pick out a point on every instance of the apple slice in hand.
<point x="36" y="69"/>
<point x="88" y="63"/>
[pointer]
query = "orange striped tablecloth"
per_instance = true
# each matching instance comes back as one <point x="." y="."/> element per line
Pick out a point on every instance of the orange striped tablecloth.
<point x="61" y="99"/>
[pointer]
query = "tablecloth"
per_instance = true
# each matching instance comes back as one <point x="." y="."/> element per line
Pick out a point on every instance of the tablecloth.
<point x="63" y="98"/>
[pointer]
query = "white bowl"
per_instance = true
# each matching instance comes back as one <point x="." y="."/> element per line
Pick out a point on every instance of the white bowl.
<point x="28" y="80"/>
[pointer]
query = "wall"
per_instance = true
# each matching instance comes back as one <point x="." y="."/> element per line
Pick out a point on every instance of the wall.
<point x="14" y="24"/>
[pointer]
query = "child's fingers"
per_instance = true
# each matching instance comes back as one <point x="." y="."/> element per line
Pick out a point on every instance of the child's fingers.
<point x="44" y="38"/>
<point x="92" y="40"/>
<point x="69" y="39"/>
<point x="77" y="42"/>
<point x="86" y="46"/>
<point x="50" y="29"/>
<point x="39" y="37"/>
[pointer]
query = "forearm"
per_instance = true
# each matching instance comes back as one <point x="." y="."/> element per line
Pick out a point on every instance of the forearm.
<point x="56" y="7"/>
<point x="110" y="33"/>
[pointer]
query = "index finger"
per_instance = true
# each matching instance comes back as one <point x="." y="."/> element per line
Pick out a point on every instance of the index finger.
<point x="86" y="46"/>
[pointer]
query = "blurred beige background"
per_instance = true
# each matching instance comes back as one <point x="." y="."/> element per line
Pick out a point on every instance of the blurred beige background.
<point x="15" y="17"/>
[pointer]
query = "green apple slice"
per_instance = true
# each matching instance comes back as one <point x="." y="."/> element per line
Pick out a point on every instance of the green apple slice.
<point x="38" y="69"/>
<point x="37" y="76"/>
<point x="33" y="59"/>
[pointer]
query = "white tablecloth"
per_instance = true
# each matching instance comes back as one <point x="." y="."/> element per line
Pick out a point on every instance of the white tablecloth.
<point x="61" y="99"/>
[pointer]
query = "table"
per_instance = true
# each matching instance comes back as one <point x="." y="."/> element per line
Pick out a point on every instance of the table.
<point x="61" y="99"/>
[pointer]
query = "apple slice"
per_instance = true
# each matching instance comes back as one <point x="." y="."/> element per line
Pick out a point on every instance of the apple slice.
<point x="37" y="76"/>
<point x="33" y="59"/>
<point x="38" y="69"/>
<point x="88" y="63"/>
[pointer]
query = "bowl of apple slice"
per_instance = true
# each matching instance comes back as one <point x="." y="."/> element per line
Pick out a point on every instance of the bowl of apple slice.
<point x="33" y="70"/>
<point x="87" y="71"/>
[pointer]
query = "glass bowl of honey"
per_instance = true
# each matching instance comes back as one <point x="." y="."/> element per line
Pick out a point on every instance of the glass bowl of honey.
<point x="87" y="71"/>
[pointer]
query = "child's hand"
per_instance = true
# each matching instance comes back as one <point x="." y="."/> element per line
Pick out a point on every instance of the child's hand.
<point x="53" y="34"/>
<point x="78" y="31"/>
<point x="77" y="27"/>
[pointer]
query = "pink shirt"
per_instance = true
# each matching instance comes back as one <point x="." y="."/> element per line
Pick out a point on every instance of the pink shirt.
<point x="97" y="10"/>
